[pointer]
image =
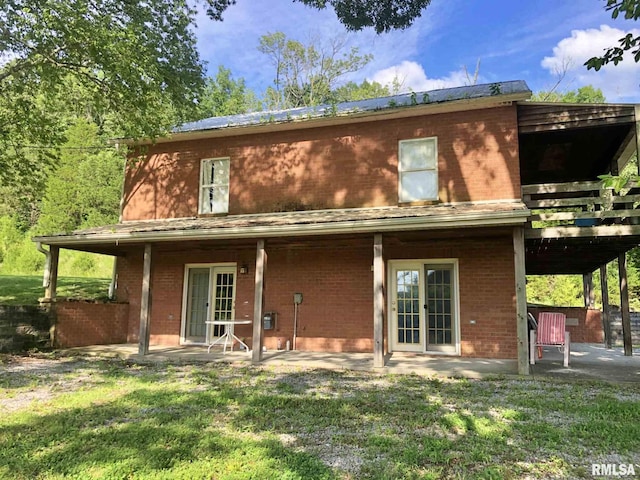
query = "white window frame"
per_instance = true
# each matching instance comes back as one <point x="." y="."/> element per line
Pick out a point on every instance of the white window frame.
<point x="207" y="185"/>
<point x="401" y="171"/>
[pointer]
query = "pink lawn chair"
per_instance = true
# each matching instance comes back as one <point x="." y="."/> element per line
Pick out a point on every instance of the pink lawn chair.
<point x="550" y="333"/>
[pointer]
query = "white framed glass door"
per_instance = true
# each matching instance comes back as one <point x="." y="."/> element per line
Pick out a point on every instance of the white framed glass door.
<point x="209" y="294"/>
<point x="423" y="306"/>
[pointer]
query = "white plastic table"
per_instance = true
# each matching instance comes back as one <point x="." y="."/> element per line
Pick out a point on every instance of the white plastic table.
<point x="229" y="334"/>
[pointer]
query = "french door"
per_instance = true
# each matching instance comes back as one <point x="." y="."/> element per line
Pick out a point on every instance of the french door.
<point x="209" y="294"/>
<point x="423" y="307"/>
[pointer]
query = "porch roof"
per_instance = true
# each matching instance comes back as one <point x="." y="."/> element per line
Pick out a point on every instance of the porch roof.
<point x="281" y="224"/>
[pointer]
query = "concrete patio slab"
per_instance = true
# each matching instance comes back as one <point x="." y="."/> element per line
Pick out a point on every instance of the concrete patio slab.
<point x="588" y="361"/>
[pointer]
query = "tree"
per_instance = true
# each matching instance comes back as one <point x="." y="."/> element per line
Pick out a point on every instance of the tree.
<point x="225" y="96"/>
<point x="630" y="9"/>
<point x="352" y="91"/>
<point x="85" y="189"/>
<point x="306" y="75"/>
<point x="586" y="94"/>
<point x="381" y="15"/>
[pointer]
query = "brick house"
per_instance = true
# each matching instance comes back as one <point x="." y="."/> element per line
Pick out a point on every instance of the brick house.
<point x="401" y="222"/>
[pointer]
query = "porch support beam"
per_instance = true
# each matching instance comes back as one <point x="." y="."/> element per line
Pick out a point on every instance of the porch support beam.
<point x="145" y="303"/>
<point x="637" y="115"/>
<point x="624" y="304"/>
<point x="522" y="325"/>
<point x="50" y="291"/>
<point x="258" y="303"/>
<point x="606" y="320"/>
<point x="378" y="302"/>
<point x="588" y="292"/>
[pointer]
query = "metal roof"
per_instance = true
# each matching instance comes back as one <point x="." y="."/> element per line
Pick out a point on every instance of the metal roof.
<point x="362" y="106"/>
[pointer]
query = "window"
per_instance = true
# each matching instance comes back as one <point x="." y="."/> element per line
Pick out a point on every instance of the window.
<point x="214" y="185"/>
<point x="418" y="170"/>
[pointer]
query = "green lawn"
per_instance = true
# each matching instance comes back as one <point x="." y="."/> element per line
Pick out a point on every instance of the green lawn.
<point x="75" y="418"/>
<point x="25" y="289"/>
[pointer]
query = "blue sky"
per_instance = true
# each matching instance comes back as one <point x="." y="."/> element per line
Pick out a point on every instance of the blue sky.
<point x="527" y="40"/>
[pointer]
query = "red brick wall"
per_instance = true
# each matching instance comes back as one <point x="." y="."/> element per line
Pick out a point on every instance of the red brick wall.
<point x="487" y="291"/>
<point x="342" y="166"/>
<point x="337" y="310"/>
<point x="80" y="324"/>
<point x="589" y="328"/>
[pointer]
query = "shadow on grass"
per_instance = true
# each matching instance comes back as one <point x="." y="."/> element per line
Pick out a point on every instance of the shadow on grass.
<point x="143" y="434"/>
<point x="227" y="422"/>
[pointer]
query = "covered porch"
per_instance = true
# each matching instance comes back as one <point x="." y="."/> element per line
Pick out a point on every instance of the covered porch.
<point x="340" y="260"/>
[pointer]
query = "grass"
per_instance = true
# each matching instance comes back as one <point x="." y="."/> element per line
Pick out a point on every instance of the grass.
<point x="26" y="289"/>
<point x="108" y="419"/>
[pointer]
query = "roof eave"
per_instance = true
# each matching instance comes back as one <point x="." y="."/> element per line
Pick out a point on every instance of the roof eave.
<point x="509" y="218"/>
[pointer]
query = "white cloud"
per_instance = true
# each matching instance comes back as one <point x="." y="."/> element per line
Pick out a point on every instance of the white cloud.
<point x="234" y="41"/>
<point x="412" y="77"/>
<point x="618" y="83"/>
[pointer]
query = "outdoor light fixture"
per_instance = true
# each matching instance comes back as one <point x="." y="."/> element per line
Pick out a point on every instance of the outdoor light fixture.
<point x="244" y="269"/>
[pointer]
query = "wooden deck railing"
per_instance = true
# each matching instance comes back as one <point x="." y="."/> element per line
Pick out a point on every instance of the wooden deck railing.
<point x="581" y="204"/>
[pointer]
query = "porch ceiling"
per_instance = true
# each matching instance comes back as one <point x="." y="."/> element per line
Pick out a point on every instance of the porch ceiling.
<point x="568" y="143"/>
<point x="574" y="255"/>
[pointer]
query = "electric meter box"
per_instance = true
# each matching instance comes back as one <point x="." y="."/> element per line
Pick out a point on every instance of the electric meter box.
<point x="269" y="320"/>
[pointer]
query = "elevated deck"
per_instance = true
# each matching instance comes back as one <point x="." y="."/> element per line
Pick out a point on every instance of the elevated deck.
<point x="576" y="227"/>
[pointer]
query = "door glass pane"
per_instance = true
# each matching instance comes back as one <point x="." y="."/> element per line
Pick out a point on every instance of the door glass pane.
<point x="223" y="302"/>
<point x="408" y="298"/>
<point x="197" y="303"/>
<point x="440" y="303"/>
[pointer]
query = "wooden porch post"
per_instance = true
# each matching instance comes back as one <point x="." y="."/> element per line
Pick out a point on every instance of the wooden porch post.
<point x="145" y="303"/>
<point x="624" y="304"/>
<point x="378" y="302"/>
<point x="587" y="290"/>
<point x="522" y="324"/>
<point x="50" y="291"/>
<point x="261" y="264"/>
<point x="606" y="321"/>
<point x="637" y="115"/>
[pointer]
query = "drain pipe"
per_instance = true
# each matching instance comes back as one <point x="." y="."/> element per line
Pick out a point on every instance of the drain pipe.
<point x="46" y="279"/>
<point x="295" y="324"/>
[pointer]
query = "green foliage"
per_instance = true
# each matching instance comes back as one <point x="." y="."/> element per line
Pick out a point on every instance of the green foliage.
<point x="306" y="75"/>
<point x="85" y="189"/>
<point x="223" y="96"/>
<point x="586" y="94"/>
<point x="630" y="10"/>
<point x="352" y="91"/>
<point x="381" y="15"/>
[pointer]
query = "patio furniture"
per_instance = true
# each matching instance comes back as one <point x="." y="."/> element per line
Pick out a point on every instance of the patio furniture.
<point x="550" y="333"/>
<point x="228" y="336"/>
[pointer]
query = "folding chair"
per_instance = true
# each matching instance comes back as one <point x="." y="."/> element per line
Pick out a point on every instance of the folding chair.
<point x="550" y="333"/>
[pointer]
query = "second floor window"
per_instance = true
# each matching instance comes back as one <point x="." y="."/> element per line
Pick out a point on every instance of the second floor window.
<point x="418" y="170"/>
<point x="214" y="186"/>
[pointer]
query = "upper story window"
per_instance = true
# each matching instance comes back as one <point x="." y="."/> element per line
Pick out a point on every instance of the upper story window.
<point x="214" y="186"/>
<point x="418" y="170"/>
